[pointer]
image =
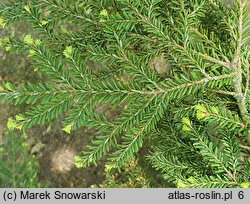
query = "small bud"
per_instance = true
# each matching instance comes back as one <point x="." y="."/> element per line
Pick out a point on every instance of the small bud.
<point x="200" y="115"/>
<point x="191" y="179"/>
<point x="68" y="51"/>
<point x="108" y="167"/>
<point x="8" y="86"/>
<point x="11" y="124"/>
<point x="185" y="128"/>
<point x="181" y="184"/>
<point x="78" y="161"/>
<point x="8" y="48"/>
<point x="31" y="53"/>
<point x="19" y="117"/>
<point x="27" y="8"/>
<point x="44" y="22"/>
<point x="104" y="12"/>
<point x="201" y="111"/>
<point x="28" y="39"/>
<point x="186" y="121"/>
<point x="67" y="128"/>
<point x="201" y="107"/>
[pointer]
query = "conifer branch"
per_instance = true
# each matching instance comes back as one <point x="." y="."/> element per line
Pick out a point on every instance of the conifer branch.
<point x="134" y="139"/>
<point x="247" y="78"/>
<point x="215" y="61"/>
<point x="213" y="154"/>
<point x="173" y="44"/>
<point x="207" y="182"/>
<point x="214" y="46"/>
<point x="187" y="116"/>
<point x="230" y="93"/>
<point x="237" y="65"/>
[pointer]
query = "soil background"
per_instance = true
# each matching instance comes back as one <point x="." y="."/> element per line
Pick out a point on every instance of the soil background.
<point x="53" y="147"/>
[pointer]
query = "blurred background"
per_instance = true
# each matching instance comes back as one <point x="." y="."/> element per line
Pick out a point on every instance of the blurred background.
<point x="50" y="151"/>
<point x="53" y="149"/>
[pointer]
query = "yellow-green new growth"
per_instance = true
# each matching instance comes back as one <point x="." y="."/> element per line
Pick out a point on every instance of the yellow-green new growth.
<point x="186" y="121"/>
<point x="108" y="167"/>
<point x="11" y="124"/>
<point x="5" y="43"/>
<point x="181" y="184"/>
<point x="31" y="53"/>
<point x="2" y="22"/>
<point x="44" y="22"/>
<point x="245" y="185"/>
<point x="68" y="51"/>
<point x="8" y="86"/>
<point x="201" y="111"/>
<point x="67" y="128"/>
<point x="104" y="13"/>
<point x="28" y="39"/>
<point x="78" y="161"/>
<point x="19" y="117"/>
<point x="27" y="8"/>
<point x="186" y="124"/>
<point x="207" y="67"/>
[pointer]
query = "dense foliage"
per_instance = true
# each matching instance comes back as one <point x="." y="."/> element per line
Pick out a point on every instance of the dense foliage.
<point x="179" y="70"/>
<point x="130" y="176"/>
<point x="18" y="169"/>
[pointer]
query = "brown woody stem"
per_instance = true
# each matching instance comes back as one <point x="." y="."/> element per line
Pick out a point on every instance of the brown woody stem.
<point x="237" y="66"/>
